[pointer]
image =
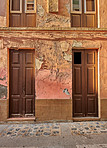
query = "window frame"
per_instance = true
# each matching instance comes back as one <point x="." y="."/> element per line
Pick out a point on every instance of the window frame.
<point x="80" y="6"/>
<point x="11" y="11"/>
<point x="30" y="11"/>
<point x="89" y="12"/>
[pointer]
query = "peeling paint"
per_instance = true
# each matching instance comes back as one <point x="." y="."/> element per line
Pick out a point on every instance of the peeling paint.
<point x="40" y="10"/>
<point x="1" y="44"/>
<point x="77" y="44"/>
<point x="68" y="57"/>
<point x="68" y="7"/>
<point x="64" y="45"/>
<point x="38" y="64"/>
<point x="66" y="91"/>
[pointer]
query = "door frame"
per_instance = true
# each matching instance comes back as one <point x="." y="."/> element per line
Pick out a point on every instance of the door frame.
<point x="8" y="79"/>
<point x="98" y="80"/>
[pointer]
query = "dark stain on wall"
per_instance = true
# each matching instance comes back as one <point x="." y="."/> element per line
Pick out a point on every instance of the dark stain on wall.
<point x="3" y="92"/>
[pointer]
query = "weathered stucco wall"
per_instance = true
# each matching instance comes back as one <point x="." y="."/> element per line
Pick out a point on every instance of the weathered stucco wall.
<point x="56" y="19"/>
<point x="103" y="13"/>
<point x="3" y="13"/>
<point x="53" y="58"/>
<point x="4" y="109"/>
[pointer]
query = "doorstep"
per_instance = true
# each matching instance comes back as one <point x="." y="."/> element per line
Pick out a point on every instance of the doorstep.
<point x="21" y="120"/>
<point x="85" y="119"/>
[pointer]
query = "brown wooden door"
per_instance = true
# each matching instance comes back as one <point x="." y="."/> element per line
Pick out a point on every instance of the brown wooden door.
<point x="22" y="88"/>
<point x="85" y="15"/>
<point x="85" y="90"/>
<point x="22" y="13"/>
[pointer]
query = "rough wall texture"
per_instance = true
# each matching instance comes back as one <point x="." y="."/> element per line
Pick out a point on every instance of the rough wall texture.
<point x="58" y="19"/>
<point x="4" y="110"/>
<point x="47" y="110"/>
<point x="3" y="71"/>
<point x="53" y="58"/>
<point x="3" y="13"/>
<point x="104" y="109"/>
<point x="103" y="70"/>
<point x="51" y="15"/>
<point x="3" y="7"/>
<point x="2" y="21"/>
<point x="53" y="6"/>
<point x="103" y="13"/>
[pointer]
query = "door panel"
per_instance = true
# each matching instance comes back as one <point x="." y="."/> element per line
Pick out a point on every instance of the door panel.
<point x="91" y="82"/>
<point x="76" y="20"/>
<point x="78" y="80"/>
<point x="85" y="91"/>
<point x="15" y="20"/>
<point x="22" y="90"/>
<point x="78" y="84"/>
<point x="30" y="20"/>
<point x="89" y="20"/>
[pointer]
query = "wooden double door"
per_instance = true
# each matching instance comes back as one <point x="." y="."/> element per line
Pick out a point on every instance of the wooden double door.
<point x="22" y="83"/>
<point x="85" y="83"/>
<point x="22" y="13"/>
<point x="84" y="13"/>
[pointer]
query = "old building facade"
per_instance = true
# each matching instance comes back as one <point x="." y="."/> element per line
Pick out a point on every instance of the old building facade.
<point x="53" y="60"/>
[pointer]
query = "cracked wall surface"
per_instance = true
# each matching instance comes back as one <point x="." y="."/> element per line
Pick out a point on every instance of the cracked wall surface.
<point x="60" y="17"/>
<point x="53" y="58"/>
<point x="3" y="13"/>
<point x="53" y="13"/>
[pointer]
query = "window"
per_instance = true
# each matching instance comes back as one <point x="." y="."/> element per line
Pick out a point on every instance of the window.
<point x="30" y="6"/>
<point x="76" y="6"/>
<point x="84" y="13"/>
<point x="15" y="6"/>
<point x="77" y="57"/>
<point x="22" y="13"/>
<point x="89" y="6"/>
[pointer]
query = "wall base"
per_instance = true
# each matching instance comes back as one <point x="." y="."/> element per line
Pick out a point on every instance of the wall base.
<point x="4" y="106"/>
<point x="53" y="110"/>
<point x="103" y="109"/>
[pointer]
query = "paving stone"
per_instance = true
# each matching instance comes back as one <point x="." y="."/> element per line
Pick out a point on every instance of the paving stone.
<point x="89" y="127"/>
<point x="54" y="129"/>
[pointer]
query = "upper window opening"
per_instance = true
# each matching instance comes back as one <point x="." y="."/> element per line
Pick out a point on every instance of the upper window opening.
<point x="76" y="5"/>
<point x="15" y="6"/>
<point x="84" y="13"/>
<point x="90" y="5"/>
<point x="77" y="57"/>
<point x="30" y="6"/>
<point x="22" y="13"/>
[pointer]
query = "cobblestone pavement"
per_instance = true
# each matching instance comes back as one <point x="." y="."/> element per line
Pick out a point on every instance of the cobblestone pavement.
<point x="31" y="130"/>
<point x="54" y="129"/>
<point x="86" y="128"/>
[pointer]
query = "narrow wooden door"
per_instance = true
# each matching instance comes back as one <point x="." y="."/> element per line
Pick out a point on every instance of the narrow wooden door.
<point x="22" y="88"/>
<point x="85" y="84"/>
<point x="22" y="13"/>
